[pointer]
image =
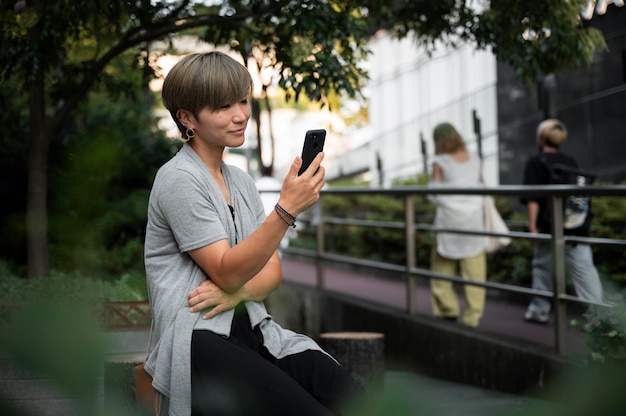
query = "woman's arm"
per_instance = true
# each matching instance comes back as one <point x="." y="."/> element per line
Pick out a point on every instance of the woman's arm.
<point x="231" y="268"/>
<point x="437" y="174"/>
<point x="533" y="213"/>
<point x="208" y="294"/>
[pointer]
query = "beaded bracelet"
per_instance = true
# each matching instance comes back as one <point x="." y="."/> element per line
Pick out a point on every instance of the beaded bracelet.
<point x="282" y="213"/>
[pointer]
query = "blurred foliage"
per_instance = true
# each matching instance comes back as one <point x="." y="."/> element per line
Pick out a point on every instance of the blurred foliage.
<point x="593" y="389"/>
<point x="607" y="331"/>
<point x="59" y="342"/>
<point x="100" y="182"/>
<point x="66" y="330"/>
<point x="53" y="349"/>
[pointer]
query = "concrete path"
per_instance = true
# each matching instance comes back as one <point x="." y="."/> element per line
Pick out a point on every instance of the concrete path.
<point x="502" y="319"/>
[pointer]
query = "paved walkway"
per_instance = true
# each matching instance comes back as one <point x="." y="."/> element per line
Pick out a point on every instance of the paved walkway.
<point x="410" y="394"/>
<point x="502" y="318"/>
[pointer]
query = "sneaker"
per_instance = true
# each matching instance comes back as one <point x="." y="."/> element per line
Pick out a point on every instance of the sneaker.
<point x="536" y="317"/>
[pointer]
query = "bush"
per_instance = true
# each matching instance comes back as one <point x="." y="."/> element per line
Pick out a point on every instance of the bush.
<point x="607" y="332"/>
<point x="608" y="222"/>
<point x="70" y="286"/>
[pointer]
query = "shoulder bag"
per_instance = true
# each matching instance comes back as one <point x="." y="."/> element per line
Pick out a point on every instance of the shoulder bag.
<point x="494" y="223"/>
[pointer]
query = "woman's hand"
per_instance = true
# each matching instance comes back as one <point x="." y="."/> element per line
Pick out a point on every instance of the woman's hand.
<point x="299" y="193"/>
<point x="208" y="295"/>
<point x="235" y="269"/>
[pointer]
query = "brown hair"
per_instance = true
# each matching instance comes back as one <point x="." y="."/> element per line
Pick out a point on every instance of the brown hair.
<point x="204" y="80"/>
<point x="447" y="139"/>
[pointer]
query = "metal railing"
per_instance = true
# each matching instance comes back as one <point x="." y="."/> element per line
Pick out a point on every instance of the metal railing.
<point x="555" y="193"/>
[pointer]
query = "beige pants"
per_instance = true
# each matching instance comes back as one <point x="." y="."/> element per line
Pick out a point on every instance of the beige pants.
<point x="444" y="299"/>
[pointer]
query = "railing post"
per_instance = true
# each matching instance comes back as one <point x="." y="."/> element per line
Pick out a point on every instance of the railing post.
<point x="558" y="259"/>
<point x="409" y="232"/>
<point x="320" y="245"/>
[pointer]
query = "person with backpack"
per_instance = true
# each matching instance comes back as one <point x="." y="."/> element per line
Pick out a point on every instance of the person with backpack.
<point x="549" y="166"/>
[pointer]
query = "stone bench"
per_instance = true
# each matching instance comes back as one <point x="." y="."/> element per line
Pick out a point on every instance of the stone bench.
<point x="362" y="354"/>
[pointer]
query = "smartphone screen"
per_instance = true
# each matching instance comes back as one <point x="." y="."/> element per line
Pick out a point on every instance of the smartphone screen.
<point x="313" y="144"/>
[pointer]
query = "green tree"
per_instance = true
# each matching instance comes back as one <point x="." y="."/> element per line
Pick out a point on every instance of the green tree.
<point x="100" y="176"/>
<point x="57" y="51"/>
<point x="536" y="37"/>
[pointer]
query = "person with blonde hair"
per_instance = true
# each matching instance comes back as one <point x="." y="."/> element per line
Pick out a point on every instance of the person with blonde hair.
<point x="551" y="134"/>
<point x="454" y="166"/>
<point x="211" y="259"/>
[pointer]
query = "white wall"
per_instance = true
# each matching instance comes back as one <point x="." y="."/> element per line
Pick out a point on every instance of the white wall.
<point x="410" y="93"/>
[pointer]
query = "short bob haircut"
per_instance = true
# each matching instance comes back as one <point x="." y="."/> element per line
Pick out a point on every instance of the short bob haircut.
<point x="552" y="131"/>
<point x="205" y="80"/>
<point x="447" y="139"/>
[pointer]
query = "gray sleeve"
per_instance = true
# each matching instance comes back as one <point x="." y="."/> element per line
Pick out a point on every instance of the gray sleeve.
<point x="259" y="209"/>
<point x="253" y="197"/>
<point x="188" y="208"/>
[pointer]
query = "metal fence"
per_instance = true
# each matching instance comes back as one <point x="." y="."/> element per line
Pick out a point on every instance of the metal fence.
<point x="556" y="194"/>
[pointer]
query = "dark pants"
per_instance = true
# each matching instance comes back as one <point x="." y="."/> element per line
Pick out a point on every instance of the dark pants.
<point x="238" y="376"/>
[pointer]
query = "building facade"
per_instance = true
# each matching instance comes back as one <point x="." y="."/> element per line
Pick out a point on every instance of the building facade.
<point x="591" y="101"/>
<point x="496" y="113"/>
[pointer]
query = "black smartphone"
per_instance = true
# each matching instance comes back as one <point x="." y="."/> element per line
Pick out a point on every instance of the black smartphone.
<point x="313" y="144"/>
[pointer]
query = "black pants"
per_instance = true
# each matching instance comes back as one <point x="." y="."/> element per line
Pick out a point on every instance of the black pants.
<point x="237" y="376"/>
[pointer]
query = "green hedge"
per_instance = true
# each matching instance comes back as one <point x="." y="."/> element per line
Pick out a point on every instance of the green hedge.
<point x="75" y="287"/>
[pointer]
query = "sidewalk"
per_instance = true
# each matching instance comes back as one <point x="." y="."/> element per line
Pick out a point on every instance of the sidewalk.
<point x="502" y="318"/>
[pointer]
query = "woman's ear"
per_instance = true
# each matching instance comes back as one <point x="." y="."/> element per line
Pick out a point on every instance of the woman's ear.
<point x="184" y="117"/>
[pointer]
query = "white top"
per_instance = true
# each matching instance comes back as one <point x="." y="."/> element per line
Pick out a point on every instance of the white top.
<point x="459" y="211"/>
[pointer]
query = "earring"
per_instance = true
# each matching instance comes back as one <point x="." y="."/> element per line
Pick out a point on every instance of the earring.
<point x="189" y="133"/>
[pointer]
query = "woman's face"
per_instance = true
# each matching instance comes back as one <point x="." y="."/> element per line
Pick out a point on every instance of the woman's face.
<point x="224" y="127"/>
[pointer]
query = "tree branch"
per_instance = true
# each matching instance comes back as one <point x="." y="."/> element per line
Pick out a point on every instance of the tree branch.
<point x="147" y="34"/>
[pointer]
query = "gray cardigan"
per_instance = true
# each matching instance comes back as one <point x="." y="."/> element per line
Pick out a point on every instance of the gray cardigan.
<point x="187" y="211"/>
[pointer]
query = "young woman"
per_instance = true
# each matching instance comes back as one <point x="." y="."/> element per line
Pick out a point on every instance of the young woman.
<point x="454" y="166"/>
<point x="211" y="260"/>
